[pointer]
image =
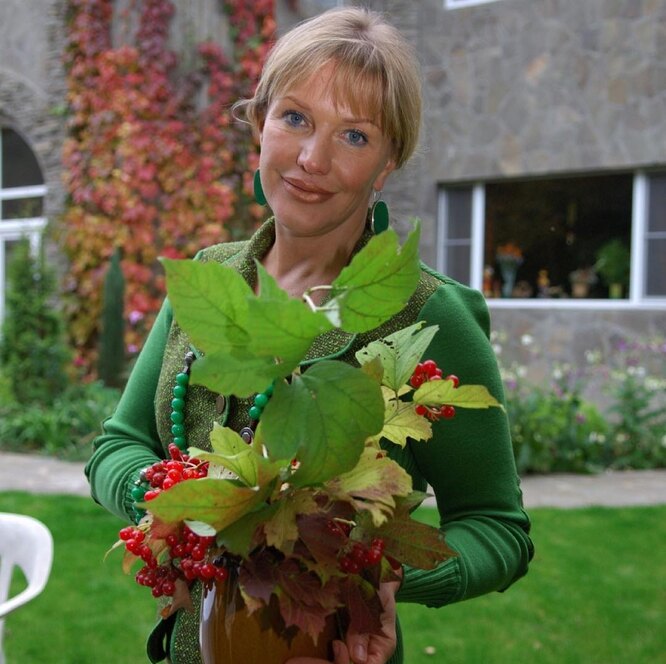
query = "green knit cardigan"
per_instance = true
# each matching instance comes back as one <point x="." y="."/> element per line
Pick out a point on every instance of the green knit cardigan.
<point x="468" y="464"/>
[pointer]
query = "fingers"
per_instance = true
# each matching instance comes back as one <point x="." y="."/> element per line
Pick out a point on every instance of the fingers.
<point x="340" y="656"/>
<point x="357" y="646"/>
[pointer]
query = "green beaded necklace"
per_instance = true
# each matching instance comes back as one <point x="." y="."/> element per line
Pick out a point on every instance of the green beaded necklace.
<point x="178" y="403"/>
<point x="178" y="406"/>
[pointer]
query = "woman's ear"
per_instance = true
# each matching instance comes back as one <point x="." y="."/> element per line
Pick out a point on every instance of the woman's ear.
<point x="258" y="128"/>
<point x="381" y="178"/>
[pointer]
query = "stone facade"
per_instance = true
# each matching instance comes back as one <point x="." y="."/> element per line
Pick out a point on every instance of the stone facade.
<point x="525" y="88"/>
<point x="512" y="88"/>
<point x="32" y="84"/>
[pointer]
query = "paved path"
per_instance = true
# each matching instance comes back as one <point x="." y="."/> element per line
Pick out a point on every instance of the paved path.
<point x="37" y="474"/>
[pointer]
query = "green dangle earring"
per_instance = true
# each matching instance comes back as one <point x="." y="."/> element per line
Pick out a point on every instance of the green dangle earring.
<point x="379" y="214"/>
<point x="259" y="195"/>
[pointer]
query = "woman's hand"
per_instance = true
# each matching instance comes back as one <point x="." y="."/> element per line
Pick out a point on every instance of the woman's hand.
<point x="365" y="648"/>
<point x="340" y="656"/>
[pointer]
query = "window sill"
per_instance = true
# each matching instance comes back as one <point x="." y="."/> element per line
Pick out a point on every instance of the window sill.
<point x="647" y="304"/>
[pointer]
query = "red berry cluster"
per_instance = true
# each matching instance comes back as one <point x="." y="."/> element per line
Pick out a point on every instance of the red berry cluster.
<point x="164" y="474"/>
<point x="360" y="556"/>
<point x="427" y="371"/>
<point x="188" y="552"/>
<point x="193" y="550"/>
<point x="189" y="549"/>
<point x="354" y="557"/>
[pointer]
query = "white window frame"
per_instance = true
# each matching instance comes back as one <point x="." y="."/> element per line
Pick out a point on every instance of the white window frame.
<point x="458" y="4"/>
<point x="12" y="230"/>
<point x="637" y="299"/>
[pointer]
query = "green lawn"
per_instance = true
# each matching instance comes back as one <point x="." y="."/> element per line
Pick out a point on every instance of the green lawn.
<point x="595" y="593"/>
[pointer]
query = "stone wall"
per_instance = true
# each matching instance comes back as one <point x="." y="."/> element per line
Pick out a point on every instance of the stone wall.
<point x="32" y="84"/>
<point x="518" y="87"/>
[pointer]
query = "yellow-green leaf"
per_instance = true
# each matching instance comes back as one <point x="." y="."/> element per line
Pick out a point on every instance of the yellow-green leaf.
<point x="372" y="485"/>
<point x="401" y="423"/>
<point x="438" y="392"/>
<point x="322" y="418"/>
<point x="234" y="454"/>
<point x="399" y="353"/>
<point x="216" y="502"/>
<point x="281" y="529"/>
<point x="241" y="375"/>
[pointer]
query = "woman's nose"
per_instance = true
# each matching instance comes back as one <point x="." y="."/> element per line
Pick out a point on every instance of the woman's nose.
<point x="315" y="155"/>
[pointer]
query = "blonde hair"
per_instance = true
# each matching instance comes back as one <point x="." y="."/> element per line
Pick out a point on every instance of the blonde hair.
<point x="376" y="71"/>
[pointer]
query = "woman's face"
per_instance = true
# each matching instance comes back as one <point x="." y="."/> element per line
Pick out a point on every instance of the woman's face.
<point x="320" y="161"/>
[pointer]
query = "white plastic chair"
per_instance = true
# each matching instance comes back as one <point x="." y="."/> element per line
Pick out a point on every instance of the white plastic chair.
<point x="25" y="543"/>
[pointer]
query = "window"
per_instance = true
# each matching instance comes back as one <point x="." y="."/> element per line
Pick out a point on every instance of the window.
<point x="655" y="236"/>
<point x="22" y="193"/>
<point x="456" y="4"/>
<point x="597" y="237"/>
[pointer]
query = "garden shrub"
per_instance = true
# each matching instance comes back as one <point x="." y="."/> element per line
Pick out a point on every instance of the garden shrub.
<point x="64" y="427"/>
<point x="561" y="427"/>
<point x="112" y="346"/>
<point x="33" y="351"/>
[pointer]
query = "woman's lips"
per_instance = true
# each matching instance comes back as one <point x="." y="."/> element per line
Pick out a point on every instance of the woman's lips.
<point x="306" y="192"/>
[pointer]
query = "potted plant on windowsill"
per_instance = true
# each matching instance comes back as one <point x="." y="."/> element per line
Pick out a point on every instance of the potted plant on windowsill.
<point x="581" y="280"/>
<point x="613" y="261"/>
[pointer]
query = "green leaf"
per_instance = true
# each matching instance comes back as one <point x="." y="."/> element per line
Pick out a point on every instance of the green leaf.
<point x="376" y="284"/>
<point x="399" y="353"/>
<point x="200" y="528"/>
<point x="322" y="418"/>
<point x="372" y="485"/>
<point x="209" y="302"/>
<point x="238" y="538"/>
<point x="215" y="502"/>
<point x="438" y="392"/>
<point x="282" y="327"/>
<point x="268" y="287"/>
<point x="241" y="375"/>
<point x="401" y="422"/>
<point x="233" y="453"/>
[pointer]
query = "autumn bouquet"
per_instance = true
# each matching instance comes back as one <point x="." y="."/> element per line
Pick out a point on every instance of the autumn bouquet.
<point x="313" y="515"/>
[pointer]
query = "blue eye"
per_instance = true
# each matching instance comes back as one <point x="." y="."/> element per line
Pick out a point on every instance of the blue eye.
<point x="294" y="118"/>
<point x="356" y="137"/>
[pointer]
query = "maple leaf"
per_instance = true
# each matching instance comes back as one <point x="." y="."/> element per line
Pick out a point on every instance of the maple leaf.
<point x="232" y="452"/>
<point x="304" y="601"/>
<point x="281" y="529"/>
<point x="322" y="418"/>
<point x="363" y="605"/>
<point x="401" y="422"/>
<point x="216" y="502"/>
<point x="412" y="542"/>
<point x="438" y="392"/>
<point x="322" y="542"/>
<point x="372" y="485"/>
<point x="399" y="353"/>
<point x="258" y="575"/>
<point x="376" y="284"/>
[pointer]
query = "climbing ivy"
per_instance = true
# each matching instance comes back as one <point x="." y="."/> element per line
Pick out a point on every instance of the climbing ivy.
<point x="146" y="168"/>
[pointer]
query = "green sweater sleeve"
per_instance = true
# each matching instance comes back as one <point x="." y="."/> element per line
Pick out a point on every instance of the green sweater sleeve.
<point x="129" y="440"/>
<point x="469" y="465"/>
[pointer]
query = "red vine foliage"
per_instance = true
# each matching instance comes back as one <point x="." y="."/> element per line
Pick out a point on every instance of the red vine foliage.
<point x="146" y="169"/>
